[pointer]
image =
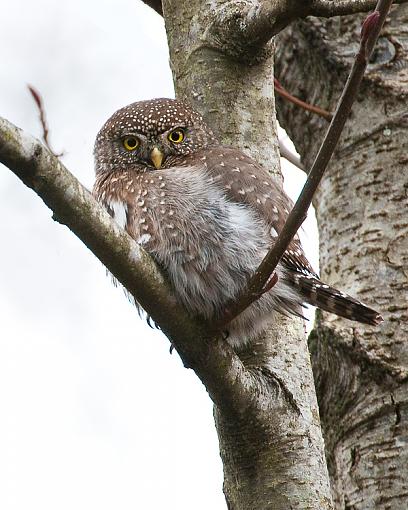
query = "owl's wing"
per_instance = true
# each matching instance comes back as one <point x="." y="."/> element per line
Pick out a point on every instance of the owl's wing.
<point x="246" y="182"/>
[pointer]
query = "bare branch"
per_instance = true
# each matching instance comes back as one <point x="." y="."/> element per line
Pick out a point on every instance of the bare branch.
<point x="329" y="9"/>
<point x="240" y="27"/>
<point x="242" y="30"/>
<point x="290" y="156"/>
<point x="40" y="105"/>
<point x="298" y="102"/>
<point x="259" y="282"/>
<point x="229" y="384"/>
<point x="285" y="11"/>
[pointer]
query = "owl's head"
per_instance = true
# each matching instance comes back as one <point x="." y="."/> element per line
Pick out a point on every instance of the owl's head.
<point x="156" y="134"/>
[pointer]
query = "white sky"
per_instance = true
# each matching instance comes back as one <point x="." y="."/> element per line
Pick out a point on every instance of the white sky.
<point x="95" y="413"/>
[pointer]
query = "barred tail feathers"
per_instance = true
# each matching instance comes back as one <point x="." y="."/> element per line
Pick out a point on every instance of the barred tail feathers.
<point x="329" y="299"/>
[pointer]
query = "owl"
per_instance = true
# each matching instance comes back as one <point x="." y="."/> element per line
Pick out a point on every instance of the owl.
<point x="207" y="213"/>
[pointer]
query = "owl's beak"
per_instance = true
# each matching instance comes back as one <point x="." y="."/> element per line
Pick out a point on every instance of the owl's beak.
<point x="157" y="157"/>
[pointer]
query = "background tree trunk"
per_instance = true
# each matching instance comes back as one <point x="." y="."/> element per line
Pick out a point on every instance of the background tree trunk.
<point x="273" y="457"/>
<point x="362" y="211"/>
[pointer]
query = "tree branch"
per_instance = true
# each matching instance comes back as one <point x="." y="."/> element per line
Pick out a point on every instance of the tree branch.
<point x="298" y="102"/>
<point x="273" y="16"/>
<point x="258" y="284"/>
<point x="329" y="9"/>
<point x="229" y="384"/>
<point x="43" y="121"/>
<point x="240" y="27"/>
<point x="290" y="156"/>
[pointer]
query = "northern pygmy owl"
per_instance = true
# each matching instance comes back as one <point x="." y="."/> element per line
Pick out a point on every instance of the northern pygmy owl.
<point x="207" y="214"/>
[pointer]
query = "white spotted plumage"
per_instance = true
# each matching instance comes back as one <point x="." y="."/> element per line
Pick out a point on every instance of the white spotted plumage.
<point x="207" y="214"/>
<point x="119" y="212"/>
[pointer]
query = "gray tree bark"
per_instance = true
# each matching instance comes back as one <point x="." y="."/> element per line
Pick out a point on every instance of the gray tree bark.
<point x="272" y="454"/>
<point x="362" y="210"/>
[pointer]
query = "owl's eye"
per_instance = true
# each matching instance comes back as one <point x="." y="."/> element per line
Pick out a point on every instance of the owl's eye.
<point x="130" y="143"/>
<point x="176" y="136"/>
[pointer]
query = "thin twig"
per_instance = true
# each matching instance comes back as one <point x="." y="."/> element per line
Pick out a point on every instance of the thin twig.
<point x="259" y="282"/>
<point x="298" y="102"/>
<point x="41" y="110"/>
<point x="290" y="156"/>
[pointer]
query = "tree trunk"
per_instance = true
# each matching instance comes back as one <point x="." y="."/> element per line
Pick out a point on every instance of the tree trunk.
<point x="273" y="454"/>
<point x="362" y="211"/>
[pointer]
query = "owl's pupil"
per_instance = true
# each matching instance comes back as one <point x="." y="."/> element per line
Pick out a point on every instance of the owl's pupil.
<point x="131" y="142"/>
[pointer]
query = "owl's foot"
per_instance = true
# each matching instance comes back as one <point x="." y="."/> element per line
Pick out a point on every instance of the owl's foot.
<point x="149" y="321"/>
<point x="225" y="335"/>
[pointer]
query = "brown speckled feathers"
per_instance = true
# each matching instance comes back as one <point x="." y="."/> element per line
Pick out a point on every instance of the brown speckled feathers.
<point x="207" y="213"/>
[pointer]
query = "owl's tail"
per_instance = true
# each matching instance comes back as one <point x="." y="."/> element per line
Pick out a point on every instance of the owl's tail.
<point x="317" y="293"/>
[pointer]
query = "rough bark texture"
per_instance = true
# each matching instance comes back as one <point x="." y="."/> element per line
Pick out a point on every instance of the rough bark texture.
<point x="362" y="210"/>
<point x="272" y="453"/>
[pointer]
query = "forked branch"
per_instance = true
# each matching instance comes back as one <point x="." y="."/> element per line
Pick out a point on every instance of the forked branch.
<point x="264" y="20"/>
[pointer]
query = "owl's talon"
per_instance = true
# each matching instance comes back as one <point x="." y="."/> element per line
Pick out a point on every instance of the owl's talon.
<point x="225" y="334"/>
<point x="171" y="349"/>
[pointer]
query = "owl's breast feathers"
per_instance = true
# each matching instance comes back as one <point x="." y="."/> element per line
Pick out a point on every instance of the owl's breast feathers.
<point x="175" y="206"/>
<point x="208" y="223"/>
<point x="206" y="244"/>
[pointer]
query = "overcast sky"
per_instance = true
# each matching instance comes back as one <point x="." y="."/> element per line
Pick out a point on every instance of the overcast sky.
<point x="95" y="413"/>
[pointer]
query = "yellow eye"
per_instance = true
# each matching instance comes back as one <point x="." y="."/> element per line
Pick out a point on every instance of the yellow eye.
<point x="130" y="143"/>
<point x="176" y="136"/>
